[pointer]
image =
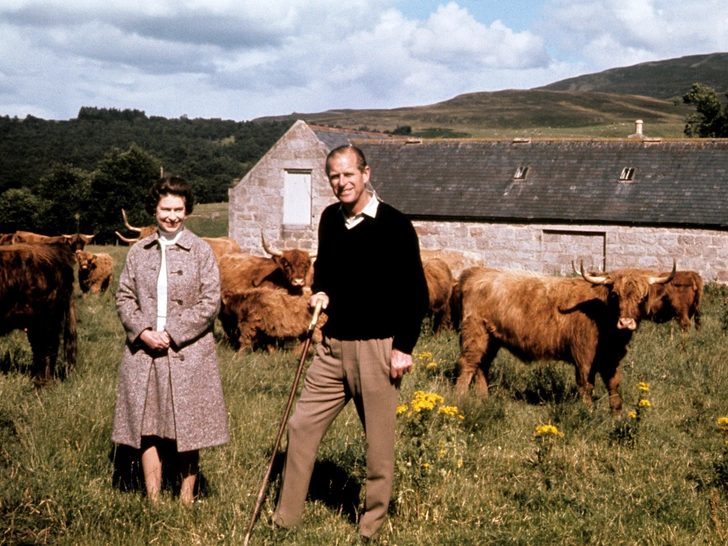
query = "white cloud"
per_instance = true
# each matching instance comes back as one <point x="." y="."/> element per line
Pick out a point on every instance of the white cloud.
<point x="232" y="59"/>
<point x="609" y="33"/>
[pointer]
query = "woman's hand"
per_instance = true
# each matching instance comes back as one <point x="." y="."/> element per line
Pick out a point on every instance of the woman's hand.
<point x="157" y="341"/>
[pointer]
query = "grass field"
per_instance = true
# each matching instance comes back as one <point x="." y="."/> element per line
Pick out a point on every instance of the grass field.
<point x="477" y="474"/>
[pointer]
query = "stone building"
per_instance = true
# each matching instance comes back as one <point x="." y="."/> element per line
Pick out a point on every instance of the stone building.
<point x="521" y="203"/>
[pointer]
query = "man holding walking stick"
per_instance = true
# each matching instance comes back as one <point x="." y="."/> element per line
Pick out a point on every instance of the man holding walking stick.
<point x="369" y="276"/>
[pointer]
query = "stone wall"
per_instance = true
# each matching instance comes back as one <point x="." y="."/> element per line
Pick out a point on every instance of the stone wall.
<point x="256" y="201"/>
<point x="550" y="249"/>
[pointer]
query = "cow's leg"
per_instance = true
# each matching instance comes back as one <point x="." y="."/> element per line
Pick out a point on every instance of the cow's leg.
<point x="481" y="376"/>
<point x="585" y="383"/>
<point x="585" y="364"/>
<point x="247" y="335"/>
<point x="477" y="350"/>
<point x="473" y="341"/>
<point x="611" y="376"/>
<point x="683" y="321"/>
<point x="44" y="343"/>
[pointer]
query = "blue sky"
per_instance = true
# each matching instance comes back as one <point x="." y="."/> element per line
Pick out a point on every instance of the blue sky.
<point x="517" y="15"/>
<point x="245" y="59"/>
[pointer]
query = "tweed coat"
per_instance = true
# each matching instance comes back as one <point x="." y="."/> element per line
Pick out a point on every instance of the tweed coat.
<point x="193" y="295"/>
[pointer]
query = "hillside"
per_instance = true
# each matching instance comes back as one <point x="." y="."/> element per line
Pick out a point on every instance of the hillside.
<point x="504" y="114"/>
<point x="605" y="104"/>
<point x="661" y="79"/>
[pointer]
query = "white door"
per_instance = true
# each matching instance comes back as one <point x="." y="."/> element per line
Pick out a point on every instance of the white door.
<point x="297" y="198"/>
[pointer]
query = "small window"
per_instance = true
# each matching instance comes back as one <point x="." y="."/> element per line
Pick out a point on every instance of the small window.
<point x="627" y="174"/>
<point x="521" y="173"/>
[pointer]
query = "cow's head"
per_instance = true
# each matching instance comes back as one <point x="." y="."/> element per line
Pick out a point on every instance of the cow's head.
<point x="84" y="259"/>
<point x="629" y="289"/>
<point x="294" y="263"/>
<point x="78" y="240"/>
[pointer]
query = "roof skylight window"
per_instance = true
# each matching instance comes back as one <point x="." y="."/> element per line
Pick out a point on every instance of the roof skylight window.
<point x="521" y="173"/>
<point x="627" y="174"/>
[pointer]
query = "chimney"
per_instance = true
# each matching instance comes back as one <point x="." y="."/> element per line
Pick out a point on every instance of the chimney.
<point x="637" y="130"/>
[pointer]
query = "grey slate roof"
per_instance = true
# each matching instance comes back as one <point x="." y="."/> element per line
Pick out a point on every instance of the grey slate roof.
<point x="676" y="183"/>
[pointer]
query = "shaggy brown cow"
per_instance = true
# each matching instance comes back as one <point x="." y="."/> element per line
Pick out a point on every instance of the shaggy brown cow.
<point x="287" y="269"/>
<point x="679" y="299"/>
<point x="36" y="294"/>
<point x="585" y="321"/>
<point x="143" y="232"/>
<point x="439" y="287"/>
<point x="6" y="238"/>
<point x="94" y="271"/>
<point x="265" y="317"/>
<point x="77" y="241"/>
<point x="223" y="245"/>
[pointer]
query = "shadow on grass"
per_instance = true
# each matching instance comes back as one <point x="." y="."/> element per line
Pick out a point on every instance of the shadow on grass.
<point x="330" y="484"/>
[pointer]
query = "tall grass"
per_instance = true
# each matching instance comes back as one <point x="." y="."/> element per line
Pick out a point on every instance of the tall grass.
<point x="59" y="483"/>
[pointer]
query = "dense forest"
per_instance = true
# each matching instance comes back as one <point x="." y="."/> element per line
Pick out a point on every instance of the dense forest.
<point x="59" y="176"/>
<point x="210" y="153"/>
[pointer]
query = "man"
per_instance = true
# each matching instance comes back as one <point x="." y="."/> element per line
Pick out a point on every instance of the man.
<point x="369" y="277"/>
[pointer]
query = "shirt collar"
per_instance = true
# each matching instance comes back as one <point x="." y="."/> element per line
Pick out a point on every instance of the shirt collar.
<point x="369" y="210"/>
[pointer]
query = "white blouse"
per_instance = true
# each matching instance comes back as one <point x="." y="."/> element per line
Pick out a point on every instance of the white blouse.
<point x="165" y="240"/>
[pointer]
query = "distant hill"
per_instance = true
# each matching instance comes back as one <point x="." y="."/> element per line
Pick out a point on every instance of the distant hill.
<point x="595" y="105"/>
<point x="659" y="79"/>
<point x="504" y="114"/>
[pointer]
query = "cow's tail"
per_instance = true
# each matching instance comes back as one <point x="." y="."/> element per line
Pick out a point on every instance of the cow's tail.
<point x="70" y="337"/>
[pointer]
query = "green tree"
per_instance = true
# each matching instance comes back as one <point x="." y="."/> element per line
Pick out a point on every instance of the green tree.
<point x="19" y="210"/>
<point x="711" y="117"/>
<point x="63" y="193"/>
<point x="121" y="180"/>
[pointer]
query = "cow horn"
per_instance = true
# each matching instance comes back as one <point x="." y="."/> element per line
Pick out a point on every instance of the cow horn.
<point x="125" y="240"/>
<point x="665" y="279"/>
<point x="268" y="249"/>
<point x="126" y="222"/>
<point x="590" y="278"/>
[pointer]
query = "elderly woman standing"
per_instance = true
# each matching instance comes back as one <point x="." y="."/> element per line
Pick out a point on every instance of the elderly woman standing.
<point x="169" y="385"/>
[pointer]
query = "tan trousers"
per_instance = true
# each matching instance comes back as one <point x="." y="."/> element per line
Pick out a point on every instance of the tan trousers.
<point x="340" y="371"/>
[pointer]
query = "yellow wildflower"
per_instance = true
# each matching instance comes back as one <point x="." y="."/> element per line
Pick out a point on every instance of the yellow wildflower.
<point x="460" y="463"/>
<point x="644" y="387"/>
<point x="425" y="355"/>
<point x="426" y="401"/>
<point x="401" y="409"/>
<point x="544" y="430"/>
<point x="432" y="366"/>
<point x="723" y="421"/>
<point x="644" y="404"/>
<point x="426" y="466"/>
<point x="633" y="414"/>
<point x="450" y="411"/>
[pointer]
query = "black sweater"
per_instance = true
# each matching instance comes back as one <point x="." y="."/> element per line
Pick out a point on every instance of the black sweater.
<point x="373" y="276"/>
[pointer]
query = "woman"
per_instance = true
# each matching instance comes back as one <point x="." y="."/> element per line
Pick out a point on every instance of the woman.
<point x="169" y="385"/>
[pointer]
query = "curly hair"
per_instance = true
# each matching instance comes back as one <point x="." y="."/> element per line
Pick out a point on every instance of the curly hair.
<point x="169" y="185"/>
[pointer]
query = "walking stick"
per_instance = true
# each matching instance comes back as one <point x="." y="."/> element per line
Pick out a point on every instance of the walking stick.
<point x="261" y="493"/>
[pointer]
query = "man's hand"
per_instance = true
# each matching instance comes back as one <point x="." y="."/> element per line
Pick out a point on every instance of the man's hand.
<point x="157" y="341"/>
<point x="316" y="297"/>
<point x="401" y="364"/>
